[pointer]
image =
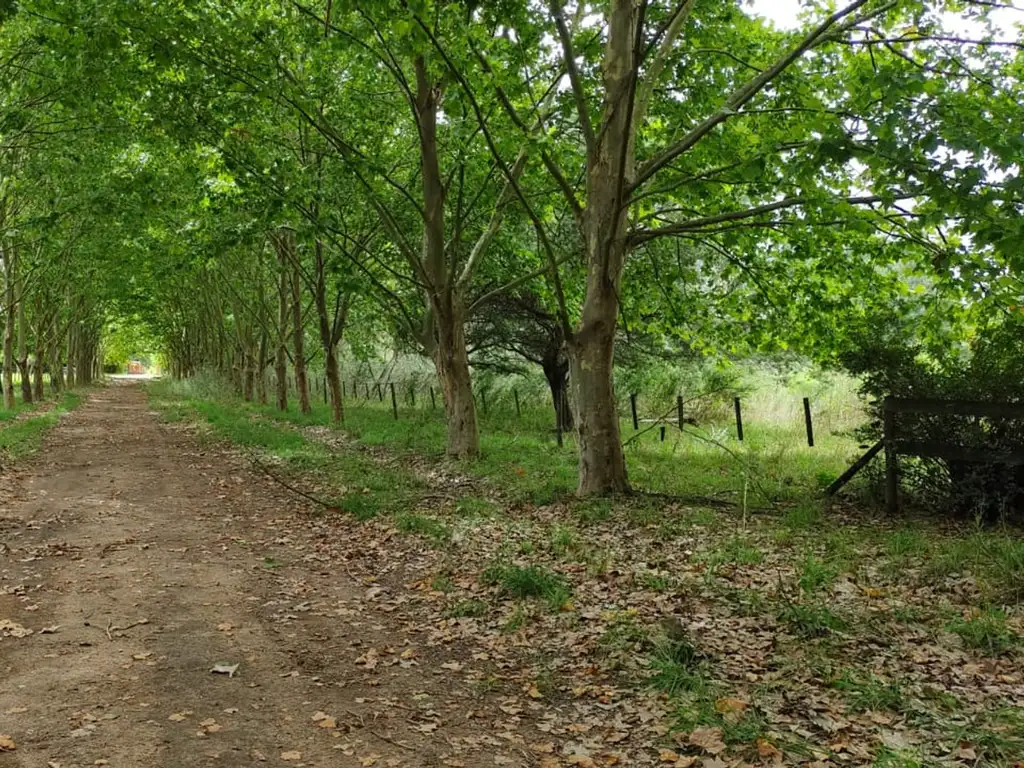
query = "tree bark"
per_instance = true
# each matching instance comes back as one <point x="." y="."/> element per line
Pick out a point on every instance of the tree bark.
<point x="556" y="371"/>
<point x="281" y="359"/>
<point x="602" y="466"/>
<point x="261" y="367"/>
<point x="26" y="379"/>
<point x="299" y="342"/>
<point x="9" y="402"/>
<point x="451" y="360"/>
<point x="248" y="375"/>
<point x="610" y="169"/>
<point x="331" y="330"/>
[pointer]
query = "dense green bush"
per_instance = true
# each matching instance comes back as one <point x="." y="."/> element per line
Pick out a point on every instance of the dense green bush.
<point x="986" y="369"/>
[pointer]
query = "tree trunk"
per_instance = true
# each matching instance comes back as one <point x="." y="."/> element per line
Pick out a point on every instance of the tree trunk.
<point x="299" y="342"/>
<point x="602" y="467"/>
<point x="9" y="319"/>
<point x="26" y="378"/>
<point x="248" y="375"/>
<point x="556" y="371"/>
<point x="261" y="368"/>
<point x="37" y="377"/>
<point x="330" y="333"/>
<point x="56" y="369"/>
<point x="334" y="383"/>
<point x="451" y="360"/>
<point x="9" y="352"/>
<point x="610" y="170"/>
<point x="281" y="359"/>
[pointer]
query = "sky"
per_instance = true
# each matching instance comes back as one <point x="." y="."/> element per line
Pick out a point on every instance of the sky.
<point x="785" y="12"/>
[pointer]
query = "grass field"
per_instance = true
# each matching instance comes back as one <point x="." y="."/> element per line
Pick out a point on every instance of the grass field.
<point x="772" y="464"/>
<point x="819" y="634"/>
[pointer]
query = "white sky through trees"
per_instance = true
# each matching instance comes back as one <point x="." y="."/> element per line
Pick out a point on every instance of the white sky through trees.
<point x="785" y="13"/>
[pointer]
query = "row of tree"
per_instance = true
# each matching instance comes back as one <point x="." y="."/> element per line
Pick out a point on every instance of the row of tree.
<point x="487" y="183"/>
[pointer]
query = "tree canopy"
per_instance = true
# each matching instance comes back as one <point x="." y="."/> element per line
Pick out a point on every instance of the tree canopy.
<point x="252" y="183"/>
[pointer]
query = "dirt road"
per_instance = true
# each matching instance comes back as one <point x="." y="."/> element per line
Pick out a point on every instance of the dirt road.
<point x="139" y="558"/>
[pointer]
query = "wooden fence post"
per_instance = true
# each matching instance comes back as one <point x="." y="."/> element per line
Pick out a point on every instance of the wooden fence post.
<point x="892" y="468"/>
<point x="679" y="411"/>
<point x="632" y="406"/>
<point x="433" y="402"/>
<point x="663" y="433"/>
<point x="394" y="401"/>
<point x="515" y="394"/>
<point x="739" y="419"/>
<point x="807" y="420"/>
<point x="412" y="395"/>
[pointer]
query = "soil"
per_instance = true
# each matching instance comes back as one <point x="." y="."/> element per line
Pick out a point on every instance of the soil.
<point x="140" y="557"/>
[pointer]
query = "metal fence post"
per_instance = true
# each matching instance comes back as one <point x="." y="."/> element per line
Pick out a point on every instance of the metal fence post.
<point x="807" y="420"/>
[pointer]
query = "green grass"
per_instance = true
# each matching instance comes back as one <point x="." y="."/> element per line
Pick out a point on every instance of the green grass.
<point x="520" y="452"/>
<point x="407" y="522"/>
<point x="532" y="581"/>
<point x="810" y="619"/>
<point x="987" y="632"/>
<point x="735" y="550"/>
<point x="815" y="574"/>
<point x="995" y="559"/>
<point x="467" y="609"/>
<point x="871" y="693"/>
<point x="24" y="436"/>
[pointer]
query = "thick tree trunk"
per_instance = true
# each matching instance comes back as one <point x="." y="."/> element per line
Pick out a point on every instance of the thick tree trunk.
<point x="610" y="170"/>
<point x="261" y="368"/>
<point x="298" y="332"/>
<point x="37" y="378"/>
<point x="56" y="369"/>
<point x="248" y="376"/>
<point x="9" y="353"/>
<point x="451" y="360"/>
<point x="281" y="359"/>
<point x="26" y="378"/>
<point x="330" y="333"/>
<point x="334" y="383"/>
<point x="602" y="467"/>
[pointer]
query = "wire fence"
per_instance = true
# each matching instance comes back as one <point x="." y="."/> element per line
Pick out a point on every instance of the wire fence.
<point x="400" y="395"/>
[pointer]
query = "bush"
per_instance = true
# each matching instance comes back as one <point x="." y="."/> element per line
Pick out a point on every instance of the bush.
<point x="985" y="370"/>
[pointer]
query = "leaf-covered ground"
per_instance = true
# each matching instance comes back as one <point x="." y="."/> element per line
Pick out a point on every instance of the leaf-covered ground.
<point x="647" y="631"/>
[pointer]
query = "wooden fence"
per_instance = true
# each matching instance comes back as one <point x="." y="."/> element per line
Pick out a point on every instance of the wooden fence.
<point x="896" y="444"/>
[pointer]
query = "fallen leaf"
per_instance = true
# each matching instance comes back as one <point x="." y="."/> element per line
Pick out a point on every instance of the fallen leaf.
<point x="224" y="668"/>
<point x="291" y="755"/>
<point x="7" y="743"/>
<point x="177" y="717"/>
<point x="767" y="749"/>
<point x="708" y="739"/>
<point x="668" y="756"/>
